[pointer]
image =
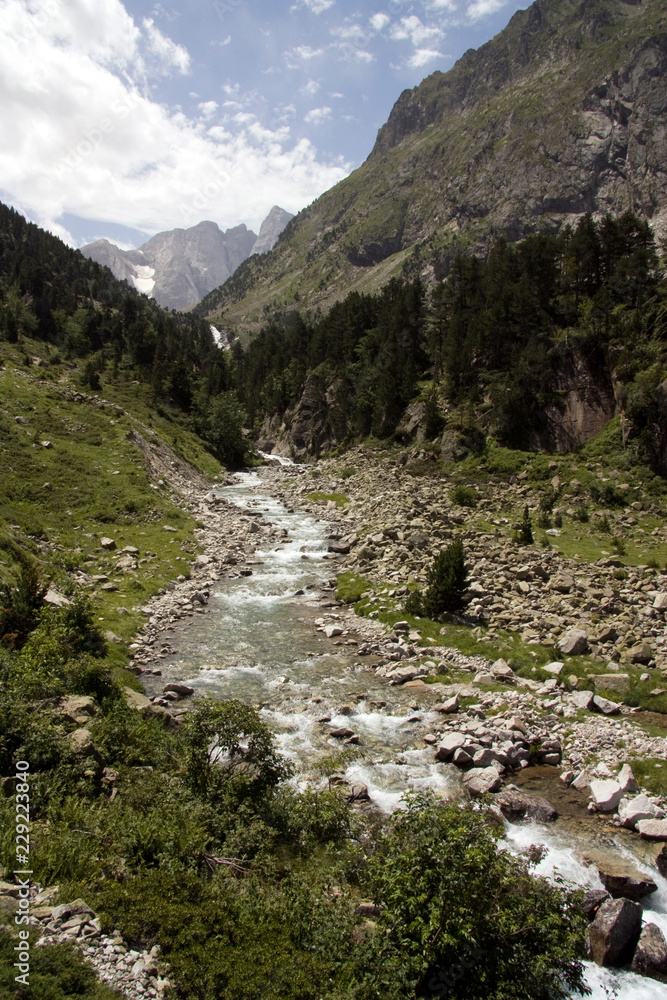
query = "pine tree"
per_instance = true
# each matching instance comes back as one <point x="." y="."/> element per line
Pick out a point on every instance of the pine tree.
<point x="447" y="581"/>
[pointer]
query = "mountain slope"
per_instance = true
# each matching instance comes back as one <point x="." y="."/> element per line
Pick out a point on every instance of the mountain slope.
<point x="178" y="267"/>
<point x="562" y="113"/>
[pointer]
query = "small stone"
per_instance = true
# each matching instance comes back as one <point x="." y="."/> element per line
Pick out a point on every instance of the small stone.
<point x="652" y="829"/>
<point x="553" y="668"/>
<point x="449" y="707"/>
<point x="108" y="544"/>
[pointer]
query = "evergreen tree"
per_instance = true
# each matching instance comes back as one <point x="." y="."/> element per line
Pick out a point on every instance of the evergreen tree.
<point x="447" y="581"/>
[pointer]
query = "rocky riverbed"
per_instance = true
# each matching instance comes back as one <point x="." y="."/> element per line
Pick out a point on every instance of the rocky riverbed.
<point x="393" y="706"/>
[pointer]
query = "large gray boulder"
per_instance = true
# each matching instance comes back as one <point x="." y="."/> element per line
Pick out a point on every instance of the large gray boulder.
<point x="615" y="931"/>
<point x="652" y="829"/>
<point x="515" y="804"/>
<point x="650" y="958"/>
<point x="480" y="780"/>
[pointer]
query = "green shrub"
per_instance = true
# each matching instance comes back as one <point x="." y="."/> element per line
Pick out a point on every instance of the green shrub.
<point x="461" y="918"/>
<point x="463" y="496"/>
<point x="56" y="973"/>
<point x="523" y="533"/>
<point x="446" y="581"/>
<point x="20" y="606"/>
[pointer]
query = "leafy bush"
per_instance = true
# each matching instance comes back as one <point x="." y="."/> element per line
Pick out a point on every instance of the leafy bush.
<point x="460" y="917"/>
<point x="56" y="973"/>
<point x="463" y="496"/>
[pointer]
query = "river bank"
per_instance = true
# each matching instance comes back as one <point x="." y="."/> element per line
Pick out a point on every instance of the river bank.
<point x="326" y="680"/>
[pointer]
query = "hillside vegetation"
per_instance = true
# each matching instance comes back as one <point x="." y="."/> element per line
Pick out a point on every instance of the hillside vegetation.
<point x="557" y="116"/>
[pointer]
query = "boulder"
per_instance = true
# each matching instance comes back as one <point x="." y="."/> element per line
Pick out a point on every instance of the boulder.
<point x="573" y="642"/>
<point x="55" y="599"/>
<point x="606" y="795"/>
<point x="108" y="544"/>
<point x="650" y="958"/>
<point x="593" y="900"/>
<point x="611" y="682"/>
<point x="449" y="745"/>
<point x="582" y="699"/>
<point x="501" y="671"/>
<point x="134" y="699"/>
<point x="660" y="602"/>
<point x="652" y="829"/>
<point x="605" y="706"/>
<point x="641" y="653"/>
<point x="634" y="887"/>
<point x="615" y="931"/>
<point x="481" y="780"/>
<point x="77" y="708"/>
<point x="449" y="707"/>
<point x="81" y="744"/>
<point x="181" y="689"/>
<point x="554" y="668"/>
<point x="631" y="811"/>
<point x="661" y="861"/>
<point x="342" y="734"/>
<point x="627" y="780"/>
<point x="582" y="781"/>
<point x="515" y="804"/>
<point x="332" y="630"/>
<point x="67" y="910"/>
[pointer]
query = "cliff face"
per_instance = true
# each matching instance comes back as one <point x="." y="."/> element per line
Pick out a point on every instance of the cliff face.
<point x="178" y="267"/>
<point x="564" y="112"/>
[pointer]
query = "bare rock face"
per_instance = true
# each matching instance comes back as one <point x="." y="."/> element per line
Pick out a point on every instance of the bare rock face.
<point x="650" y="958"/>
<point x="180" y="266"/>
<point x="271" y="229"/>
<point x="615" y="931"/>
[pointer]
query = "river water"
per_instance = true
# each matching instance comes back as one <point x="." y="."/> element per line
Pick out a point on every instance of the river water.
<point x="258" y="644"/>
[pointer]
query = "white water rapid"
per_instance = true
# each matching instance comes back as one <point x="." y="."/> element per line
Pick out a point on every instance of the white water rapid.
<point x="258" y="644"/>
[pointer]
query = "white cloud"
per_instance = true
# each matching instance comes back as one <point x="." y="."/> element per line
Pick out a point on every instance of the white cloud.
<point x="483" y="8"/>
<point x="411" y="29"/>
<point x="379" y="21"/>
<point x="441" y="5"/>
<point x="81" y="134"/>
<point x="169" y="54"/>
<point x="317" y="115"/>
<point x="311" y="88"/>
<point x="207" y="108"/>
<point x="315" y="6"/>
<point x="301" y="55"/>
<point x="420" y="57"/>
<point x="352" y="38"/>
<point x="224" y="42"/>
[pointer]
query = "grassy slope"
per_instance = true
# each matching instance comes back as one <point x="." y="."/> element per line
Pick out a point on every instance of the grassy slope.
<point x="56" y="503"/>
<point x="424" y="186"/>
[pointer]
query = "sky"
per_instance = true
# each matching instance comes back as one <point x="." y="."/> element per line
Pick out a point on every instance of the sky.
<point x="124" y="119"/>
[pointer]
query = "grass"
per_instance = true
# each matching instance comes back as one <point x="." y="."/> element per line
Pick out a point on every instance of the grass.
<point x="351" y="586"/>
<point x="338" y="498"/>
<point x="58" y="502"/>
<point x="651" y="773"/>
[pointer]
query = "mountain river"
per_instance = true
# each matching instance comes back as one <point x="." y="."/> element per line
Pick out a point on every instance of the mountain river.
<point x="259" y="643"/>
